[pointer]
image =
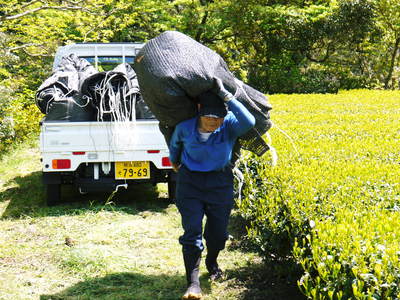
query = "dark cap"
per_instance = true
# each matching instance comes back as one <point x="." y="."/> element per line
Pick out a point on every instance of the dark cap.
<point x="211" y="104"/>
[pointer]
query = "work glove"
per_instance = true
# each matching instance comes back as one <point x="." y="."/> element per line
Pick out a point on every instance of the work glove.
<point x="221" y="91"/>
<point x="175" y="167"/>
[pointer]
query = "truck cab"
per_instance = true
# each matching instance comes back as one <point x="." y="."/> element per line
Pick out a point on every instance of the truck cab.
<point x="102" y="155"/>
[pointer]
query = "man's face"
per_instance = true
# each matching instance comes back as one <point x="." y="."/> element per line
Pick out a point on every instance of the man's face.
<point x="210" y="124"/>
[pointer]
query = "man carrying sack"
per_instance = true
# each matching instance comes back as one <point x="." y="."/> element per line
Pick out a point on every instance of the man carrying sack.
<point x="200" y="152"/>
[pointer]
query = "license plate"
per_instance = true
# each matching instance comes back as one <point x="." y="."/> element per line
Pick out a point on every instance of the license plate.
<point x="132" y="170"/>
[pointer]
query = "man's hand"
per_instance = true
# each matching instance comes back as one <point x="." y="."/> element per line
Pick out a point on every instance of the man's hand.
<point x="221" y="91"/>
<point x="175" y="166"/>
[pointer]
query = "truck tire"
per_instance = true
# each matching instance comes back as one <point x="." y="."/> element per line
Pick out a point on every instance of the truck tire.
<point x="171" y="190"/>
<point x="53" y="194"/>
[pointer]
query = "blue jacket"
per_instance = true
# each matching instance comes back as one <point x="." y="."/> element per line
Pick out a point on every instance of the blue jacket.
<point x="215" y="153"/>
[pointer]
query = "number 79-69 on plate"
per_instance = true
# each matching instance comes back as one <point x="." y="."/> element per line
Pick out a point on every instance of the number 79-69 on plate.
<point x="132" y="170"/>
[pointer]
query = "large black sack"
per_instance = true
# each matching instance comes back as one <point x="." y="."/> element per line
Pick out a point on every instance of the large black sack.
<point x="58" y="96"/>
<point x="173" y="69"/>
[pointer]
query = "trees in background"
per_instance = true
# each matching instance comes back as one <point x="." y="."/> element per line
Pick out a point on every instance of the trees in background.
<point x="293" y="47"/>
<point x="387" y="47"/>
<point x="278" y="46"/>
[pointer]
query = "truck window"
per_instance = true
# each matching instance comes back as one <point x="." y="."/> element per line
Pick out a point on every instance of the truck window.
<point x="107" y="63"/>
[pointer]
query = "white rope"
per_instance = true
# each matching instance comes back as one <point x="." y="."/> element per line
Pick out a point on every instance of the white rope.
<point x="274" y="154"/>
<point x="240" y="180"/>
<point x="290" y="139"/>
<point x="118" y="103"/>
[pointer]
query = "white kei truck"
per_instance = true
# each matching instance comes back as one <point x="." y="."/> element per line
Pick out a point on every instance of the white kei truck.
<point x="102" y="156"/>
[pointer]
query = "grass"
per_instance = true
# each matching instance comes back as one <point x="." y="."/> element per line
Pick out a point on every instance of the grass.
<point x="89" y="248"/>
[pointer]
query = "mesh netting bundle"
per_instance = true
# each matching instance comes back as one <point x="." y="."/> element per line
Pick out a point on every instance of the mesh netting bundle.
<point x="76" y="91"/>
<point x="65" y="81"/>
<point x="59" y="98"/>
<point x="173" y="69"/>
<point x="112" y="94"/>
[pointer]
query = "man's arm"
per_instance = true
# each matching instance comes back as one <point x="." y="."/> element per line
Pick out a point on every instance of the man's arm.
<point x="175" y="148"/>
<point x="244" y="119"/>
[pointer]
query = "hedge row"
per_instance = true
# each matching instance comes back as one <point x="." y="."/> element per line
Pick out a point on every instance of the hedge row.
<point x="333" y="200"/>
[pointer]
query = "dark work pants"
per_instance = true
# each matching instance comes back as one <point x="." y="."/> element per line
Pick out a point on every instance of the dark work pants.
<point x="204" y="193"/>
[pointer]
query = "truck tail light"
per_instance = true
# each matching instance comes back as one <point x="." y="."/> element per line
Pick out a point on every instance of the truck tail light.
<point x="166" y="162"/>
<point x="153" y="151"/>
<point x="78" y="153"/>
<point x="61" y="163"/>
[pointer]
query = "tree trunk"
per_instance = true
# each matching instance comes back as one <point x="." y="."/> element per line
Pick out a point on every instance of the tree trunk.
<point x="393" y="59"/>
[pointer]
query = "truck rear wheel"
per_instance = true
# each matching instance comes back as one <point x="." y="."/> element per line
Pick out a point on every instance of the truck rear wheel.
<point x="53" y="194"/>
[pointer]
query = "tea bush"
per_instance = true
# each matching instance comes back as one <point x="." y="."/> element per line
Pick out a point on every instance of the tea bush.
<point x="333" y="200"/>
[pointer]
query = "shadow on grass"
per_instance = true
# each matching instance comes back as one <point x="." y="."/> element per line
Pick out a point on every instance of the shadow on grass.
<point x="272" y="280"/>
<point x="126" y="286"/>
<point x="25" y="196"/>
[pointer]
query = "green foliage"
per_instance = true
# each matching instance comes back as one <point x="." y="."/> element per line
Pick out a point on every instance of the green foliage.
<point x="142" y="20"/>
<point x="295" y="47"/>
<point x="277" y="46"/>
<point x="334" y="204"/>
<point x="26" y="118"/>
<point x="7" y="133"/>
<point x="388" y="20"/>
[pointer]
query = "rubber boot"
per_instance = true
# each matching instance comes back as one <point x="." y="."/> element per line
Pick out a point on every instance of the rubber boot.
<point x="212" y="265"/>
<point x="192" y="265"/>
